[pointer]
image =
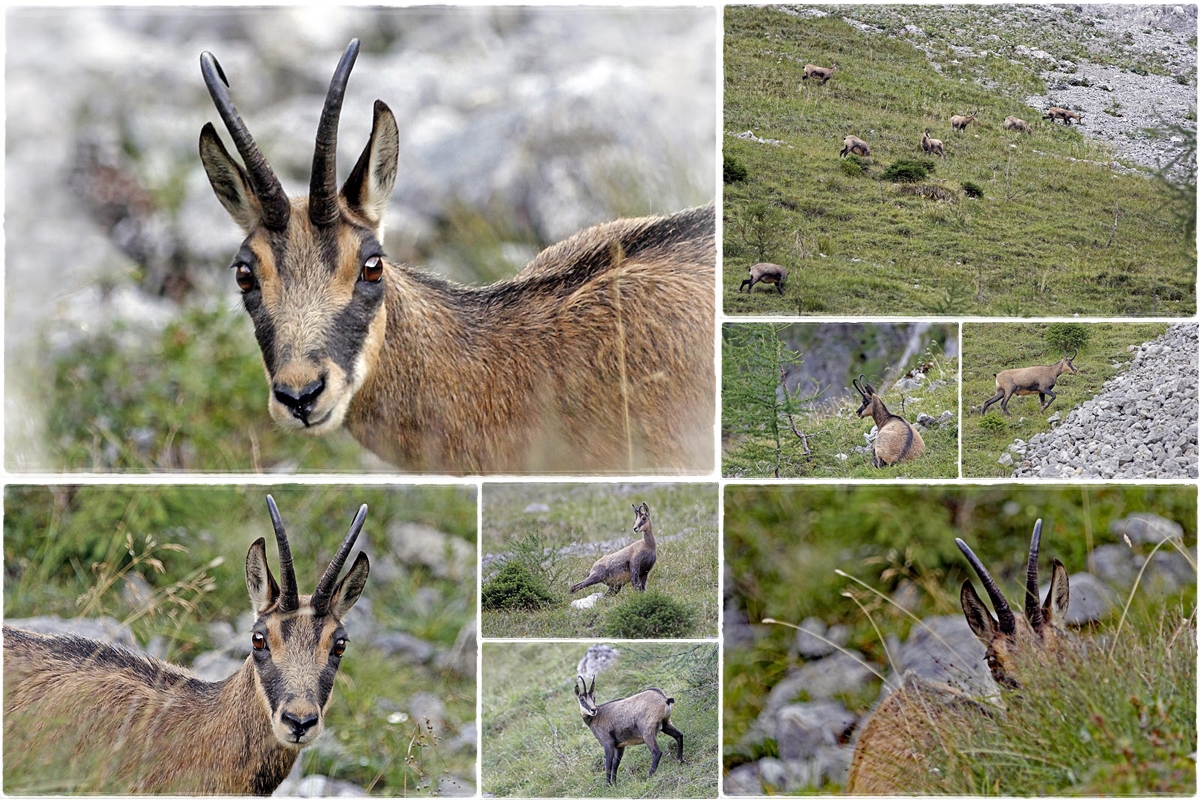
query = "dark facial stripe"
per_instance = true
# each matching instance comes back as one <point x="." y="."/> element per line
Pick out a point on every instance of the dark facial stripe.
<point x="351" y="325"/>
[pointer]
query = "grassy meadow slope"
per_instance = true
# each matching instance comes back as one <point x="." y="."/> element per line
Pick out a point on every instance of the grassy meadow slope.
<point x="1039" y="241"/>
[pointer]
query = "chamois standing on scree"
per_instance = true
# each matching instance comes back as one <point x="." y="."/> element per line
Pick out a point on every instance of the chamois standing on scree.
<point x="600" y="348"/>
<point x="618" y="724"/>
<point x="895" y="440"/>
<point x="1030" y="380"/>
<point x="149" y="727"/>
<point x="631" y="564"/>
<point x="893" y="751"/>
<point x="1054" y="112"/>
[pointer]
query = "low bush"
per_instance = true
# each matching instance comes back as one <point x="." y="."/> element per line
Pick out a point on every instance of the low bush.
<point x="650" y="615"/>
<point x="516" y="588"/>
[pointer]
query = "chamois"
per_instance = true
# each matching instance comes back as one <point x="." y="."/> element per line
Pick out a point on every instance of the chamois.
<point x="1030" y="380"/>
<point x="932" y="145"/>
<point x="600" y="349"/>
<point x="631" y="564"/>
<point x="824" y="73"/>
<point x="1054" y="112"/>
<point x="855" y="145"/>
<point x="1017" y="124"/>
<point x="765" y="273"/>
<point x="960" y="123"/>
<point x="147" y="726"/>
<point x="892" y="754"/>
<point x="618" y="724"/>
<point x="895" y="440"/>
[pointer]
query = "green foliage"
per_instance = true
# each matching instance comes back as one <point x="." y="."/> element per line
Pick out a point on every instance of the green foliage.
<point x="516" y="588"/>
<point x="908" y="170"/>
<point x="993" y="423"/>
<point x="734" y="172"/>
<point x="852" y="165"/>
<point x="758" y="226"/>
<point x="972" y="189"/>
<point x="1062" y="337"/>
<point x="650" y="615"/>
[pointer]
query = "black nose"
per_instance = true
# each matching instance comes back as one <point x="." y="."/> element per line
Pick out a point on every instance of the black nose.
<point x="299" y="726"/>
<point x="300" y="403"/>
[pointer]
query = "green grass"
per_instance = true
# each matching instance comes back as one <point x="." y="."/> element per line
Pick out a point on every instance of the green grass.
<point x="538" y="746"/>
<point x="990" y="348"/>
<point x="686" y="569"/>
<point x="783" y="543"/>
<point x="66" y="552"/>
<point x="1036" y="243"/>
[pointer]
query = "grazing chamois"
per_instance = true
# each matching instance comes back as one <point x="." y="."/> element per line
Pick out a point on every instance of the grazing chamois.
<point x="824" y="73"/>
<point x="597" y="356"/>
<point x="618" y="724"/>
<point x="1017" y="124"/>
<point x="959" y="123"/>
<point x="894" y="749"/>
<point x="895" y="440"/>
<point x="144" y="726"/>
<point x="1054" y="112"/>
<point x="1030" y="380"/>
<point x="764" y="272"/>
<point x="631" y="564"/>
<point x="932" y="146"/>
<point x="855" y="145"/>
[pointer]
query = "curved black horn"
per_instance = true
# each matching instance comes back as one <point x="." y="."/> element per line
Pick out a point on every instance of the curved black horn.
<point x="1033" y="609"/>
<point x="274" y="202"/>
<point x="857" y="382"/>
<point x="1072" y="356"/>
<point x="324" y="590"/>
<point x="1004" y="614"/>
<point x="289" y="595"/>
<point x="322" y="193"/>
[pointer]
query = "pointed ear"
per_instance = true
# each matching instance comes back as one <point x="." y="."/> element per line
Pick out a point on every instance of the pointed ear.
<point x="978" y="617"/>
<point x="264" y="591"/>
<point x="577" y="680"/>
<point x="1055" y="606"/>
<point x="349" y="588"/>
<point x="229" y="181"/>
<point x="369" y="186"/>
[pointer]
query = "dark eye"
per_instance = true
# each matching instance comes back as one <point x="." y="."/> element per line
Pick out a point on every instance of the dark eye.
<point x="339" y="646"/>
<point x="372" y="270"/>
<point x="245" y="277"/>
<point x="258" y="640"/>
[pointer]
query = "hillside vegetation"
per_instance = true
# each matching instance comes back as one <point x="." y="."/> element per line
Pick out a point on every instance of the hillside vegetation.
<point x="1007" y="224"/>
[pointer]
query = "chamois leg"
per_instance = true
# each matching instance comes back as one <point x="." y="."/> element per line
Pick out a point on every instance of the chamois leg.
<point x="999" y="396"/>
<point x="613" y="589"/>
<point x="677" y="735"/>
<point x="743" y="286"/>
<point x="779" y="286"/>
<point x="1004" y="405"/>
<point x="590" y="580"/>
<point x="1046" y="403"/>
<point x="617" y="762"/>
<point x="655" y="750"/>
<point x="610" y="759"/>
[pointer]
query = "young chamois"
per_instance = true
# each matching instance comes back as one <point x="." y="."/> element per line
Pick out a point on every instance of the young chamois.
<point x="143" y="726"/>
<point x="824" y="73"/>
<point x="855" y="145"/>
<point x="618" y="724"/>
<point x="631" y="564"/>
<point x="765" y="273"/>
<point x="896" y="440"/>
<point x="1030" y="380"/>
<point x="1017" y="124"/>
<point x="959" y="123"/>
<point x="933" y="146"/>
<point x="597" y="356"/>
<point x="1054" y="112"/>
<point x="894" y="750"/>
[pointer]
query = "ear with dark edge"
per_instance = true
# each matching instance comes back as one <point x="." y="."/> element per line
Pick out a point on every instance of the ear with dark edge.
<point x="260" y="583"/>
<point x="979" y="619"/>
<point x="229" y="181"/>
<point x="350" y="588"/>
<point x="577" y="681"/>
<point x="369" y="186"/>
<point x="1059" y="596"/>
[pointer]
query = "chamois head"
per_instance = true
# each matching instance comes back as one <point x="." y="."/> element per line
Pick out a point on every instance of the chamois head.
<point x="641" y="517"/>
<point x="311" y="270"/>
<point x="869" y="398"/>
<point x="298" y="640"/>
<point x="1007" y="633"/>
<point x="1068" y="362"/>
<point x="587" y="697"/>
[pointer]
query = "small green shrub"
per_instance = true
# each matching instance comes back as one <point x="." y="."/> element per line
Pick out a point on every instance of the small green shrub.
<point x="650" y="615"/>
<point x="734" y="172"/>
<point x="972" y="189"/>
<point x="909" y="170"/>
<point x="853" y="166"/>
<point x="1062" y="337"/>
<point x="992" y="423"/>
<point x="516" y="588"/>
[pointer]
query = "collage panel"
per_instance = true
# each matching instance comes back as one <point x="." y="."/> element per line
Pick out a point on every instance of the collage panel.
<point x="556" y="557"/>
<point x="997" y="160"/>
<point x="1110" y="400"/>
<point x="562" y="728"/>
<point x="212" y="664"/>
<point x="839" y="400"/>
<point x="862" y="658"/>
